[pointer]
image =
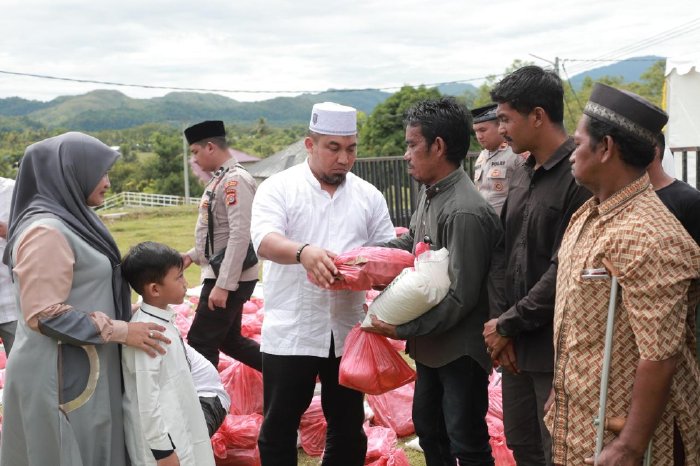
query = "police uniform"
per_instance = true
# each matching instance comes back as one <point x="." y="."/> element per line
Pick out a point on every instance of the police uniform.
<point x="493" y="169"/>
<point x="492" y="172"/>
<point x="230" y="193"/>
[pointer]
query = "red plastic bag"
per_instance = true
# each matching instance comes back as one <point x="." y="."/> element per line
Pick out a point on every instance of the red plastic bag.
<point x="251" y="325"/>
<point x="224" y="362"/>
<point x="395" y="457"/>
<point x="394" y="409"/>
<point x="502" y="455"/>
<point x="371" y="365"/>
<point x="249" y="308"/>
<point x="236" y="441"/>
<point x="367" y="267"/>
<point x="312" y="428"/>
<point x="380" y="441"/>
<point x="244" y="385"/>
<point x="398" y="231"/>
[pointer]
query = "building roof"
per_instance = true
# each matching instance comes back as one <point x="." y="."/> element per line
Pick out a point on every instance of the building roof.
<point x="293" y="154"/>
<point x="242" y="157"/>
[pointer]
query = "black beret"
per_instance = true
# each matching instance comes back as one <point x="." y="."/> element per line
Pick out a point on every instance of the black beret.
<point x="205" y="130"/>
<point x="485" y="113"/>
<point x="627" y="111"/>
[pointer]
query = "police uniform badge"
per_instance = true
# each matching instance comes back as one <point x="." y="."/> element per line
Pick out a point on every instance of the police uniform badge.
<point x="498" y="173"/>
<point x="230" y="192"/>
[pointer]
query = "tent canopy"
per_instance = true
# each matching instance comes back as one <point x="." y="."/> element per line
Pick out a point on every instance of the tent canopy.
<point x="682" y="102"/>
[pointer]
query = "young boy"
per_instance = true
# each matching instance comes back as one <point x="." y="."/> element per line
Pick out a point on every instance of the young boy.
<point x="163" y="421"/>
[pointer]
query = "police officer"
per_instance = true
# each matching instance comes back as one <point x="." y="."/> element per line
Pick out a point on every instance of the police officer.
<point x="228" y="199"/>
<point x="496" y="162"/>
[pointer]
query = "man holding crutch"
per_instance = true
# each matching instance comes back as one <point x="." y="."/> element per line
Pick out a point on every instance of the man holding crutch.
<point x="654" y="380"/>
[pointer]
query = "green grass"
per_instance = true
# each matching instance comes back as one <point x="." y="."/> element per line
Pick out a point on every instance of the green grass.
<point x="174" y="226"/>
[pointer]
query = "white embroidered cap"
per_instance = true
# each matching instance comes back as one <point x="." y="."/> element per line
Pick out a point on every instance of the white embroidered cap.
<point x="334" y="119"/>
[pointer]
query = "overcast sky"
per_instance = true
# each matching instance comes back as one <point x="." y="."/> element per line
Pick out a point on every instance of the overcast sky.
<point x="313" y="45"/>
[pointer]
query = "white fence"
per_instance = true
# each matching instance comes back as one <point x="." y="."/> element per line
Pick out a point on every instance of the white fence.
<point x="129" y="199"/>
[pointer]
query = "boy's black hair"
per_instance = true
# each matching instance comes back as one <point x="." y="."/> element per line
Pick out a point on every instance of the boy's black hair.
<point x="149" y="262"/>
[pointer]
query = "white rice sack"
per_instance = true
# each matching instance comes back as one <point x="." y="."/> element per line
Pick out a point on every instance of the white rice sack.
<point x="414" y="291"/>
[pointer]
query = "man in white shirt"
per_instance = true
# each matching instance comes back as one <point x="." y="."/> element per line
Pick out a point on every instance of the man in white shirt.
<point x="212" y="395"/>
<point x="302" y="217"/>
<point x="8" y="304"/>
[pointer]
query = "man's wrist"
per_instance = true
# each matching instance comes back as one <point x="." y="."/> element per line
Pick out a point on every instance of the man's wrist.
<point x="501" y="331"/>
<point x="299" y="251"/>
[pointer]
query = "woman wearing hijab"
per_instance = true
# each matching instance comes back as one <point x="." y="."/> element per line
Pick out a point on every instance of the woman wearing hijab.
<point x="63" y="394"/>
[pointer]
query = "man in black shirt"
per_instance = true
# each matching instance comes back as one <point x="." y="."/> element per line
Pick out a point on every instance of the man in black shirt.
<point x="680" y="198"/>
<point x="541" y="199"/>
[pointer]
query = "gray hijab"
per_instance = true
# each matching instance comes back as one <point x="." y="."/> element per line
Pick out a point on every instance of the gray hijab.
<point x="55" y="178"/>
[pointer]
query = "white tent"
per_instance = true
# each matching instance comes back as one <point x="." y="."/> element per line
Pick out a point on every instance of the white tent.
<point x="682" y="102"/>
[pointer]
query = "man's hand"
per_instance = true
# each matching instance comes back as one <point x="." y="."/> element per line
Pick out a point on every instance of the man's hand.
<point x="171" y="460"/>
<point x="382" y="328"/>
<point x="146" y="336"/>
<point x="186" y="260"/>
<point x="3" y="230"/>
<point x="318" y="263"/>
<point x="506" y="358"/>
<point x="616" y="453"/>
<point x="550" y="401"/>
<point x="494" y="342"/>
<point x="217" y="298"/>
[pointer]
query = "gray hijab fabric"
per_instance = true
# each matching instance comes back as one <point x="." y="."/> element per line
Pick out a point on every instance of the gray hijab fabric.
<point x="55" y="178"/>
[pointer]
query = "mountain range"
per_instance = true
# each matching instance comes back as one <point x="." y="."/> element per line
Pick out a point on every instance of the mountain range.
<point x="110" y="109"/>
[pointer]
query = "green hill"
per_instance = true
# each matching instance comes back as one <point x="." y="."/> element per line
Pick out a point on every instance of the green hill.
<point x="109" y="109"/>
<point x="112" y="110"/>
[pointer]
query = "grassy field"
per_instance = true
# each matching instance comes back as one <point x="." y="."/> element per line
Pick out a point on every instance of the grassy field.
<point x="174" y="226"/>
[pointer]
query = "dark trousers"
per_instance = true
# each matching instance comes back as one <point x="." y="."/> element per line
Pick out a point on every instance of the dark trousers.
<point x="449" y="411"/>
<point x="220" y="329"/>
<point x="214" y="413"/>
<point x="524" y="396"/>
<point x="289" y="383"/>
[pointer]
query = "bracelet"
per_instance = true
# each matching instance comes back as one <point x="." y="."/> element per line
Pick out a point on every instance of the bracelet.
<point x="301" y="248"/>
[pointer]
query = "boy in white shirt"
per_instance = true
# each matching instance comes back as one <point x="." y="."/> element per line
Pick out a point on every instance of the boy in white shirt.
<point x="162" y="419"/>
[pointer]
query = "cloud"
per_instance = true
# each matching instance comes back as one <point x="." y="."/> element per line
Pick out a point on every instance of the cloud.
<point x="314" y="45"/>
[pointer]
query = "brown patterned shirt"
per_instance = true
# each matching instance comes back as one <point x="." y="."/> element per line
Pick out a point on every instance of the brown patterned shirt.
<point x="659" y="266"/>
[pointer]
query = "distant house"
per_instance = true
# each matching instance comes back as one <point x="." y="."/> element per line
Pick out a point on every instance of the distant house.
<point x="243" y="158"/>
<point x="292" y="155"/>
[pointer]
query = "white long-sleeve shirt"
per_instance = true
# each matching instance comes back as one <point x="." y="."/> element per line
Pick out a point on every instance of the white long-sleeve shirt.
<point x="299" y="316"/>
<point x="206" y="379"/>
<point x="161" y="407"/>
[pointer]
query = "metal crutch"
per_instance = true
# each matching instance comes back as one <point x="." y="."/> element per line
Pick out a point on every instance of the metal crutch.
<point x="599" y="422"/>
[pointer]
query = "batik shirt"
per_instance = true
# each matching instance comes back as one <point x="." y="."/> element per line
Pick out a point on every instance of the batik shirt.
<point x="658" y="266"/>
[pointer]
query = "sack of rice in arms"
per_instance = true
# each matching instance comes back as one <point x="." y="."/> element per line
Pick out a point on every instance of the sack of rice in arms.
<point x="414" y="291"/>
